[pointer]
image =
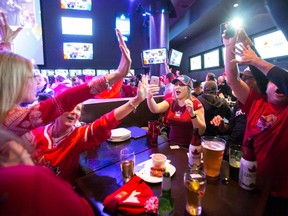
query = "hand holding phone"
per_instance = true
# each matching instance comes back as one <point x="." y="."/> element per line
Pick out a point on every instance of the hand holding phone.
<point x="154" y="80"/>
<point x="230" y="30"/>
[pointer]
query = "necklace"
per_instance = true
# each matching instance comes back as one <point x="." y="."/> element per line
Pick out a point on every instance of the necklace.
<point x="58" y="139"/>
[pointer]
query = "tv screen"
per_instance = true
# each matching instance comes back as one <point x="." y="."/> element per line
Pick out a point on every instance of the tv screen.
<point x="102" y="72"/>
<point x="195" y="62"/>
<point x="123" y="24"/>
<point x="27" y="14"/>
<point x="154" y="56"/>
<point x="62" y="72"/>
<point x="224" y="54"/>
<point x="271" y="45"/>
<point x="75" y="72"/>
<point x="76" y="4"/>
<point x="76" y="26"/>
<point x="212" y="59"/>
<point x="175" y="57"/>
<point x="89" y="72"/>
<point x="48" y="72"/>
<point x="78" y="50"/>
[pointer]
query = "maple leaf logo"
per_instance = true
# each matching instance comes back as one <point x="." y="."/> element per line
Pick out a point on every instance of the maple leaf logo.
<point x="253" y="169"/>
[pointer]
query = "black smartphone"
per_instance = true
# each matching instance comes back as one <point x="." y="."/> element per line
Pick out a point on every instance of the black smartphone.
<point x="230" y="30"/>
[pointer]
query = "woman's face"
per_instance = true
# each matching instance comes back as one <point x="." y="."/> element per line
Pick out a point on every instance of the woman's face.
<point x="70" y="118"/>
<point x="31" y="89"/>
<point x="180" y="90"/>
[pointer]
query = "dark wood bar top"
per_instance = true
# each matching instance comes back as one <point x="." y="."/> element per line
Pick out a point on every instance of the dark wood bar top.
<point x="221" y="198"/>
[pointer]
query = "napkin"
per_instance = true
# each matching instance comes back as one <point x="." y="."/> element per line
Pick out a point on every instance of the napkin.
<point x="131" y="198"/>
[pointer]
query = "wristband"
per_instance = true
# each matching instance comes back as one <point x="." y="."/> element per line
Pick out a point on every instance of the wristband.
<point x="132" y="105"/>
<point x="194" y="117"/>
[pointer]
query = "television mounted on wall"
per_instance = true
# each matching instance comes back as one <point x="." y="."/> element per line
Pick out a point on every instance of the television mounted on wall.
<point x="154" y="56"/>
<point x="211" y="59"/>
<point x="175" y="57"/>
<point x="195" y="63"/>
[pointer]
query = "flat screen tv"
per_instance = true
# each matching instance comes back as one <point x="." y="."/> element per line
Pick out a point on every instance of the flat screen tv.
<point x="89" y="72"/>
<point x="154" y="56"/>
<point x="78" y="50"/>
<point x="48" y="72"/>
<point x="271" y="45"/>
<point x="175" y="57"/>
<point x="76" y="4"/>
<point x="27" y="14"/>
<point x="76" y="26"/>
<point x="224" y="54"/>
<point x="102" y="72"/>
<point x="122" y="23"/>
<point x="62" y="72"/>
<point x="211" y="59"/>
<point x="195" y="62"/>
<point x="74" y="72"/>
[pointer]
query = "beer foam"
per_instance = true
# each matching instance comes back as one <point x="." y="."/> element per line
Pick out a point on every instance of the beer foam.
<point x="214" y="145"/>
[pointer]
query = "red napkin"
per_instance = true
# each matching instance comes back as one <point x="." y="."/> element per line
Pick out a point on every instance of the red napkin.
<point x="130" y="199"/>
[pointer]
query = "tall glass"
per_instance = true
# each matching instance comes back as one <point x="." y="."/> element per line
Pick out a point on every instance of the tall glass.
<point x="195" y="186"/>
<point x="127" y="162"/>
<point x="213" y="151"/>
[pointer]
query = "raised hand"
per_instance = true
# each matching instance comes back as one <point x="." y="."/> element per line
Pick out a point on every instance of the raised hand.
<point x="125" y="62"/>
<point x="246" y="53"/>
<point x="6" y="33"/>
<point x="142" y="89"/>
<point x="189" y="107"/>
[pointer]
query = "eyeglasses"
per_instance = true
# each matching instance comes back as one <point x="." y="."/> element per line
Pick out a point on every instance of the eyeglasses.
<point x="246" y="77"/>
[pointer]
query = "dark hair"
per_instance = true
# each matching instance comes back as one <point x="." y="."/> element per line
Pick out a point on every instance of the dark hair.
<point x="196" y="84"/>
<point x="210" y="76"/>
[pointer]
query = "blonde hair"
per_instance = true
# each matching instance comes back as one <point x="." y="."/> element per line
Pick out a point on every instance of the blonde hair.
<point x="15" y="71"/>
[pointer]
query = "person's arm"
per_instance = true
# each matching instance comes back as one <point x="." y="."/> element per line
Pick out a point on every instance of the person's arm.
<point x="197" y="116"/>
<point x="133" y="103"/>
<point x="125" y="62"/>
<point x="240" y="89"/>
<point x="7" y="35"/>
<point x="152" y="105"/>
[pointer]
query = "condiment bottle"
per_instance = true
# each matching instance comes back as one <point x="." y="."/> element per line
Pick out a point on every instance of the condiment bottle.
<point x="166" y="205"/>
<point x="195" y="150"/>
<point x="248" y="166"/>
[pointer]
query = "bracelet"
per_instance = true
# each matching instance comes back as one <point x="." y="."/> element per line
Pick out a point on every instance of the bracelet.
<point x="194" y="117"/>
<point x="107" y="84"/>
<point x="132" y="105"/>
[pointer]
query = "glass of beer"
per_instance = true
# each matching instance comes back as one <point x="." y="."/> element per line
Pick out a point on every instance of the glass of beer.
<point x="213" y="151"/>
<point x="127" y="162"/>
<point x="195" y="186"/>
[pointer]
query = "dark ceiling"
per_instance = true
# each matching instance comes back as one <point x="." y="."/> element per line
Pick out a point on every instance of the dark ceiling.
<point x="193" y="17"/>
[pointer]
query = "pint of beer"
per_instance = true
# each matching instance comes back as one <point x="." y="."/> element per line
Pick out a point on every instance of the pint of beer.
<point x="213" y="151"/>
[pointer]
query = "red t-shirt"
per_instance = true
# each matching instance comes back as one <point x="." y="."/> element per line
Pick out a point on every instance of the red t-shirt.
<point x="181" y="127"/>
<point x="267" y="123"/>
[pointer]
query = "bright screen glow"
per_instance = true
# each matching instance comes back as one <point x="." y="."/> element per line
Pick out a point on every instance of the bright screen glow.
<point x="212" y="59"/>
<point x="271" y="45"/>
<point x="76" y="4"/>
<point x="175" y="57"/>
<point x="76" y="26"/>
<point x="75" y="72"/>
<point x="62" y="72"/>
<point x="196" y="63"/>
<point x="78" y="50"/>
<point x="27" y="14"/>
<point x="154" y="56"/>
<point x="102" y="72"/>
<point x="48" y="72"/>
<point x="89" y="72"/>
<point x="123" y="24"/>
<point x="224" y="54"/>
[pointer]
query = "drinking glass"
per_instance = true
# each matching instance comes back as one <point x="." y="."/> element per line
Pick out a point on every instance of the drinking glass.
<point x="195" y="186"/>
<point x="153" y="132"/>
<point x="127" y="162"/>
<point x="213" y="151"/>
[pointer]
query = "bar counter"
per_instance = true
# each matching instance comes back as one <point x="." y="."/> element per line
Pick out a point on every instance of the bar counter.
<point x="221" y="198"/>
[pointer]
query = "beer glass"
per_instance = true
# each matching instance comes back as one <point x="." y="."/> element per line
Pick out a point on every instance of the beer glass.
<point x="195" y="186"/>
<point x="127" y="162"/>
<point x="213" y="151"/>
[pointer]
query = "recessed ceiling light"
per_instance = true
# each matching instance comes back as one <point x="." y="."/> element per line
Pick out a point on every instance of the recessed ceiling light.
<point x="185" y="38"/>
<point x="235" y="5"/>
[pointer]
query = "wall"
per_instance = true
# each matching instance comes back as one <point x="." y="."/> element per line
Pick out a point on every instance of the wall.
<point x="212" y="39"/>
<point x="106" y="50"/>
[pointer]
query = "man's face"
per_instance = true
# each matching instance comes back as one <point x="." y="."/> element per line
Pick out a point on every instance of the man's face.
<point x="275" y="96"/>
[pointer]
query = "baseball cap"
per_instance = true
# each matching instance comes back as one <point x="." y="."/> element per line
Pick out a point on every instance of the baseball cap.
<point x="184" y="79"/>
<point x="210" y="87"/>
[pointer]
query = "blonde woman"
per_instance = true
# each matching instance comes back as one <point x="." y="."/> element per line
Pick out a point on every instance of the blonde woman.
<point x="183" y="111"/>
